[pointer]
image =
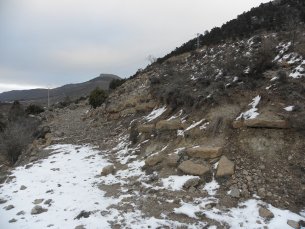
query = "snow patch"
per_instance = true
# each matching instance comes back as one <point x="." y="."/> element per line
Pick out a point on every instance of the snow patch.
<point x="289" y="108"/>
<point x="155" y="114"/>
<point x="175" y="183"/>
<point x="252" y="113"/>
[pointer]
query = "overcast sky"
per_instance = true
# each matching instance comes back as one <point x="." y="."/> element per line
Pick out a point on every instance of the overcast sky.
<point x="53" y="42"/>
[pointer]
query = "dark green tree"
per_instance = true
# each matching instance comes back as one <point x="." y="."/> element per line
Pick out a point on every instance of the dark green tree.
<point x="97" y="97"/>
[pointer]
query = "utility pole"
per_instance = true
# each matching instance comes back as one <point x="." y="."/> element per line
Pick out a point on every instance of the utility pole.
<point x="48" y="97"/>
<point x="198" y="40"/>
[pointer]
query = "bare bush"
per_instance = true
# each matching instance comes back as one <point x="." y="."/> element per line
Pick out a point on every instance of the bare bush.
<point x="16" y="137"/>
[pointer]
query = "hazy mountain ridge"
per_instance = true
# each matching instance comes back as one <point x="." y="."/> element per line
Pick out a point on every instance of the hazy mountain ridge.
<point x="57" y="94"/>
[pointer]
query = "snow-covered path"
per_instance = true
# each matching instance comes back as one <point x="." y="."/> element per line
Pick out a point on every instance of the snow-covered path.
<point x="67" y="183"/>
<point x="68" y="179"/>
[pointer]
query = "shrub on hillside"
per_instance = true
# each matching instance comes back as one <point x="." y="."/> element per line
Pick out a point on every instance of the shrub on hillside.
<point x="263" y="60"/>
<point x="97" y="97"/>
<point x="34" y="109"/>
<point x="16" y="137"/>
<point x="16" y="111"/>
<point x="116" y="83"/>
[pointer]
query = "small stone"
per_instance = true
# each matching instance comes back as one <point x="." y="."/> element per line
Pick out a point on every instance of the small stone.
<point x="23" y="187"/>
<point x="261" y="192"/>
<point x="83" y="214"/>
<point x="12" y="221"/>
<point x="20" y="213"/>
<point x="234" y="192"/>
<point x="80" y="227"/>
<point x="28" y="166"/>
<point x="109" y="169"/>
<point x="293" y="224"/>
<point x="265" y="213"/>
<point x="38" y="201"/>
<point x="48" y="202"/>
<point x="191" y="183"/>
<point x="9" y="207"/>
<point x="2" y="201"/>
<point x="38" y="210"/>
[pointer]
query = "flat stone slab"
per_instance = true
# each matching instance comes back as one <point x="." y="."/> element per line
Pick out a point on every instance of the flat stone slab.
<point x="266" y="123"/>
<point x="146" y="128"/>
<point x="191" y="168"/>
<point x="169" y="125"/>
<point x="205" y="152"/>
<point x="154" y="159"/>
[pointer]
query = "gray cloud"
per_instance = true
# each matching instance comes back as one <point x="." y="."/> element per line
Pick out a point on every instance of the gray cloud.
<point x="53" y="42"/>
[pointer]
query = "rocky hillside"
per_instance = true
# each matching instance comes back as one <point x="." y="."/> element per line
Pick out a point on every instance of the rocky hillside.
<point x="212" y="138"/>
<point x="58" y="94"/>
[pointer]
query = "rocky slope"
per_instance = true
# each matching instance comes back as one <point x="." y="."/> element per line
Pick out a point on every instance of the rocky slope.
<point x="209" y="139"/>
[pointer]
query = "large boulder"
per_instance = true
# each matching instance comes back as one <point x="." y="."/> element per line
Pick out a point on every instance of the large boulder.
<point x="265" y="213"/>
<point x="169" y="125"/>
<point x="154" y="159"/>
<point x="225" y="167"/>
<point x="172" y="159"/>
<point x="205" y="152"/>
<point x="191" y="168"/>
<point x="109" y="169"/>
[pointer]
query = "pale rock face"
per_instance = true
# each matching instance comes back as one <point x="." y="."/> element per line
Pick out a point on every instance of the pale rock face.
<point x="265" y="213"/>
<point x="225" y="167"/>
<point x="192" y="168"/>
<point x="109" y="169"/>
<point x="205" y="152"/>
<point x="154" y="159"/>
<point x="169" y="125"/>
<point x="172" y="159"/>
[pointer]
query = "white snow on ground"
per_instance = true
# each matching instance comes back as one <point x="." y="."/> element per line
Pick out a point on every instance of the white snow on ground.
<point x="194" y="125"/>
<point x="274" y="78"/>
<point x="182" y="132"/>
<point x="176" y="183"/>
<point x="176" y="115"/>
<point x="244" y="216"/>
<point x="298" y="72"/>
<point x="68" y="178"/>
<point x="211" y="187"/>
<point x="155" y="114"/>
<point x="204" y="126"/>
<point x="289" y="108"/>
<point x="252" y="113"/>
<point x="136" y="220"/>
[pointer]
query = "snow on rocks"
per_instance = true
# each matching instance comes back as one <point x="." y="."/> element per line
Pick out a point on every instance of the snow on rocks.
<point x="252" y="113"/>
<point x="246" y="215"/>
<point x="155" y="114"/>
<point x="176" y="183"/>
<point x="298" y="72"/>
